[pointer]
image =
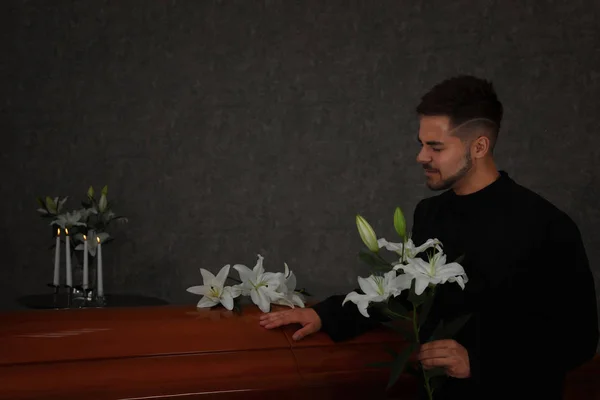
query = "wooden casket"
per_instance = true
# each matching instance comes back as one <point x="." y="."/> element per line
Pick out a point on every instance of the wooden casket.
<point x="180" y="352"/>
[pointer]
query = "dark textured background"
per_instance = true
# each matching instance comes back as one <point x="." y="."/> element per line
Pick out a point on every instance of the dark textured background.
<point x="227" y="129"/>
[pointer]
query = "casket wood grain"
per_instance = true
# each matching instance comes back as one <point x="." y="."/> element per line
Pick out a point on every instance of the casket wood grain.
<point x="180" y="352"/>
<point x="175" y="352"/>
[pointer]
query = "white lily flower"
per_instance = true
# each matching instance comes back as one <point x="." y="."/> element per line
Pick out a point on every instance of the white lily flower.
<point x="91" y="239"/>
<point x="68" y="220"/>
<point x="434" y="272"/>
<point x="378" y="288"/>
<point x="410" y="250"/>
<point x="287" y="287"/>
<point x="260" y="285"/>
<point x="87" y="212"/>
<point x="213" y="290"/>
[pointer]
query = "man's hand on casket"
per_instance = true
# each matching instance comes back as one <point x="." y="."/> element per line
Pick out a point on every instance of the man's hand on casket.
<point x="307" y="317"/>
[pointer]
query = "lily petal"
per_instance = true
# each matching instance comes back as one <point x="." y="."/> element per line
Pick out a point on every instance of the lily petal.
<point x="201" y="290"/>
<point x="246" y="274"/>
<point x="258" y="268"/>
<point x="396" y="247"/>
<point x="207" y="276"/>
<point x="222" y="275"/>
<point x="103" y="236"/>
<point x="361" y="301"/>
<point x="297" y="300"/>
<point x="420" y="284"/>
<point x="402" y="282"/>
<point x="227" y="300"/>
<point x="367" y="286"/>
<point x="259" y="298"/>
<point x="206" y="302"/>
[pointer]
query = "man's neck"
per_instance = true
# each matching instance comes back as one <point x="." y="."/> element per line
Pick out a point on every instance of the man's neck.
<point x="477" y="180"/>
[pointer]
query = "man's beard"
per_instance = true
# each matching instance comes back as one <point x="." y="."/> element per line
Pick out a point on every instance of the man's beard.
<point x="447" y="183"/>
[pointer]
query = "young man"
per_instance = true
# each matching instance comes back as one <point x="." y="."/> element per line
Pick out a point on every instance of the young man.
<point x="530" y="290"/>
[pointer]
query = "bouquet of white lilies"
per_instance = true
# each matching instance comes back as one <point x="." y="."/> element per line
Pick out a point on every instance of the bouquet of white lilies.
<point x="264" y="288"/>
<point x="414" y="276"/>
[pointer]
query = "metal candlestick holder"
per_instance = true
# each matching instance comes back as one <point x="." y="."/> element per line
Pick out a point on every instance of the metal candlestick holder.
<point x="75" y="297"/>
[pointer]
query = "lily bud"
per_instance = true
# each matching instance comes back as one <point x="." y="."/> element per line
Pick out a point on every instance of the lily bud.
<point x="102" y="203"/>
<point x="51" y="205"/>
<point x="90" y="192"/>
<point x="367" y="234"/>
<point x="400" y="223"/>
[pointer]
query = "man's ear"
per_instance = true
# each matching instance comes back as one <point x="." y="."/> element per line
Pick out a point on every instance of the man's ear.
<point x="481" y="146"/>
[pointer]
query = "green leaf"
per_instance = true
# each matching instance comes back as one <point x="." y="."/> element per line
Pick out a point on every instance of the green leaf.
<point x="415" y="299"/>
<point x="399" y="363"/>
<point x="50" y="205"/>
<point x="437" y="332"/>
<point x="435" y="383"/>
<point x="424" y="312"/>
<point x="237" y="307"/>
<point x="374" y="261"/>
<point x="407" y="332"/>
<point x="453" y="327"/>
<point x="391" y="351"/>
<point x="395" y="304"/>
<point x="110" y="239"/>
<point x="447" y="330"/>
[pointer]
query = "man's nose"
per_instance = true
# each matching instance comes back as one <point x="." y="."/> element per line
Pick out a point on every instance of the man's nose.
<point x="422" y="157"/>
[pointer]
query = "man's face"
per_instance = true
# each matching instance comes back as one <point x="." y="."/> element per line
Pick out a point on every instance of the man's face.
<point x="444" y="157"/>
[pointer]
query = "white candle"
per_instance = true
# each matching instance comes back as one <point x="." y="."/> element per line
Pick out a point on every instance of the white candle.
<point x="85" y="263"/>
<point x="57" y="259"/>
<point x="68" y="256"/>
<point x="99" y="267"/>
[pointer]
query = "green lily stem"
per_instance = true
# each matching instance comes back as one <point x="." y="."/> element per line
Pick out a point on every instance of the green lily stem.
<point x="395" y="314"/>
<point x="416" y="328"/>
<point x="403" y="248"/>
<point x="380" y="258"/>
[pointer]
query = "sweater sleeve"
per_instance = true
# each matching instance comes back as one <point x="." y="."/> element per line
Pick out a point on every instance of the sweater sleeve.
<point x="543" y="321"/>
<point x="343" y="322"/>
<point x="346" y="322"/>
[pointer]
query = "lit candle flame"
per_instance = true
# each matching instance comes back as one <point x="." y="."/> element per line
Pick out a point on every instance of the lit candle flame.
<point x="58" y="234"/>
<point x="66" y="231"/>
<point x="84" y="237"/>
<point x="98" y="239"/>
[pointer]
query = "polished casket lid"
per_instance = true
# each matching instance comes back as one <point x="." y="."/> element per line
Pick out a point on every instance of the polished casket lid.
<point x="119" y="353"/>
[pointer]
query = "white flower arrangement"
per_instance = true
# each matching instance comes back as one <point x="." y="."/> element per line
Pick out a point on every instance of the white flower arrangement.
<point x="414" y="275"/>
<point x="264" y="288"/>
<point x="85" y="227"/>
<point x="93" y="219"/>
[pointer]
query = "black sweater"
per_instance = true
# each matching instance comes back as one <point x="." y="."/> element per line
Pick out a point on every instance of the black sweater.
<point x="530" y="290"/>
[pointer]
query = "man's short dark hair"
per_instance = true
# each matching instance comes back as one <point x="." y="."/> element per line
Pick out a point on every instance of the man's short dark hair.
<point x="465" y="98"/>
